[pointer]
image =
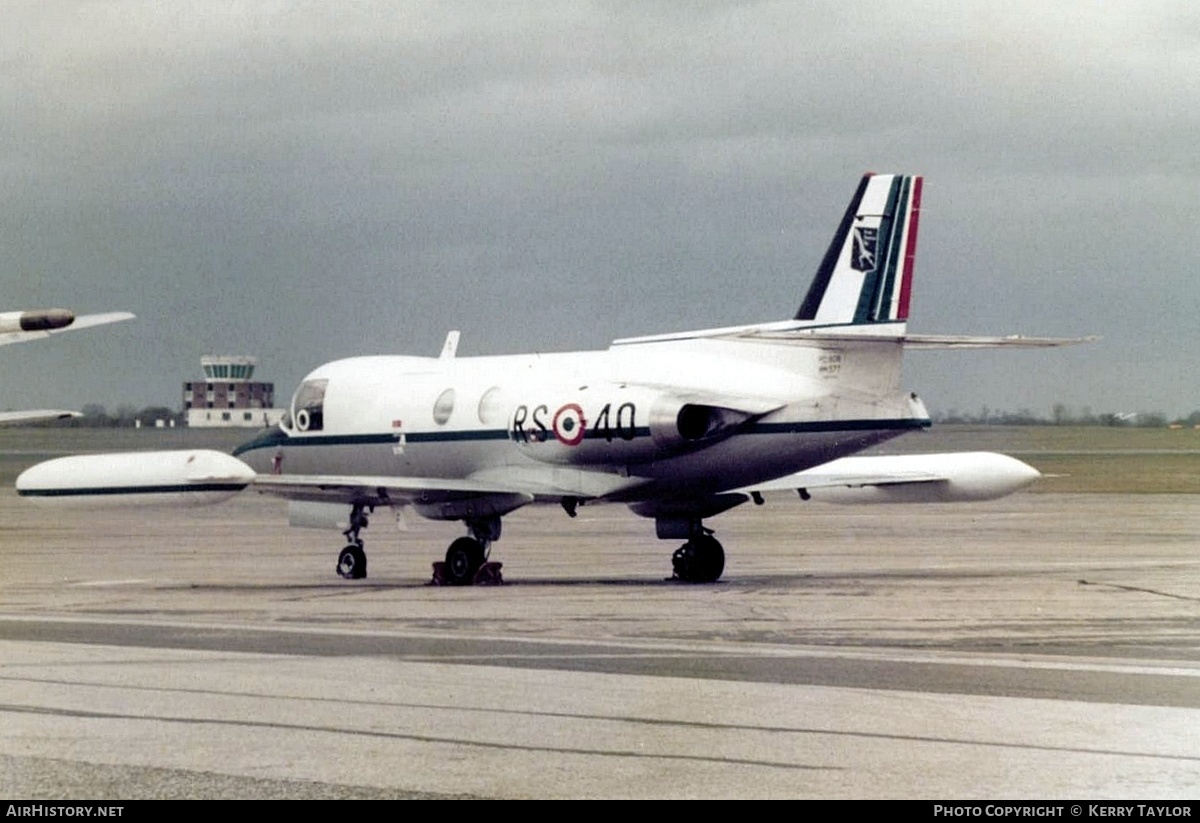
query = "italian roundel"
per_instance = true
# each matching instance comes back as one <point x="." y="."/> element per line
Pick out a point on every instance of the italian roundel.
<point x="569" y="424"/>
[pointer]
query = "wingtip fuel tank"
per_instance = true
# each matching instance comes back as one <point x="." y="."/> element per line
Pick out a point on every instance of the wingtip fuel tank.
<point x="196" y="476"/>
<point x="962" y="477"/>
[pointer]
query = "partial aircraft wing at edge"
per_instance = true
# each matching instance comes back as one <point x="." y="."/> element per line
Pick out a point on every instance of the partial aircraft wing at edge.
<point x="81" y="322"/>
<point x="8" y="418"/>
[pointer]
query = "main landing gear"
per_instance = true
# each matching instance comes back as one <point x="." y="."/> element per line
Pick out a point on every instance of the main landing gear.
<point x="701" y="559"/>
<point x="466" y="559"/>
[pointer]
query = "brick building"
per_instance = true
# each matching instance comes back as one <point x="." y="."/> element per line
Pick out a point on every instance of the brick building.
<point x="228" y="397"/>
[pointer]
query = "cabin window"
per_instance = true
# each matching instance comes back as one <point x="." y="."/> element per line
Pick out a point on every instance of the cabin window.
<point x="308" y="407"/>
<point x="443" y="407"/>
<point x="491" y="411"/>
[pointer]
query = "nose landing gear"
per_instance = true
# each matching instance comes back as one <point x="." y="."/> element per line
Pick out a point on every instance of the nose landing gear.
<point x="352" y="561"/>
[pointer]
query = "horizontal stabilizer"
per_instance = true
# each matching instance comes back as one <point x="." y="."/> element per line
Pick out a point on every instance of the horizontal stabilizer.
<point x="915" y="341"/>
<point x="949" y="341"/>
<point x="791" y="331"/>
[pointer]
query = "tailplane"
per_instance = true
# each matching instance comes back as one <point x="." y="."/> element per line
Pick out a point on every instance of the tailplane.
<point x="863" y="286"/>
<point x="865" y="277"/>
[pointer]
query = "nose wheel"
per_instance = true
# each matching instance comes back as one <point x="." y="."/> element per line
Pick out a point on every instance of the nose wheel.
<point x="352" y="561"/>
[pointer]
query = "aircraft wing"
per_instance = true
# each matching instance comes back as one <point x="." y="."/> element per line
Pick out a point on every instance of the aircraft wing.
<point x="382" y="490"/>
<point x="911" y="478"/>
<point x="23" y="328"/>
<point x="527" y="486"/>
<point x="204" y="476"/>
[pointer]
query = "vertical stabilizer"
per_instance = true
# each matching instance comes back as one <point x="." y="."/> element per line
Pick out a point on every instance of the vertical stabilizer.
<point x="865" y="277"/>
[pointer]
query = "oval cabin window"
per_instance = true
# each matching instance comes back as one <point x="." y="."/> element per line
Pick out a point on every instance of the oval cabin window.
<point x="444" y="407"/>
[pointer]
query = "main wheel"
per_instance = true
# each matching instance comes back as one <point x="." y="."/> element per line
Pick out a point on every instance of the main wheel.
<point x="710" y="558"/>
<point x="700" y="560"/>
<point x="352" y="563"/>
<point x="463" y="559"/>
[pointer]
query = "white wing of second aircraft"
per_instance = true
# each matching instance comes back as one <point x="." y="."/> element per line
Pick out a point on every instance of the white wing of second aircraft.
<point x="8" y="418"/>
<point x="23" y="326"/>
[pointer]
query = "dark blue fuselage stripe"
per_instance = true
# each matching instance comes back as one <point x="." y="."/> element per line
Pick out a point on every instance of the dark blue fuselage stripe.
<point x="797" y="427"/>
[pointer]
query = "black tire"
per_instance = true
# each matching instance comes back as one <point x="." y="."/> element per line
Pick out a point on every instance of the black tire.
<point x="700" y="560"/>
<point x="682" y="562"/>
<point x="710" y="559"/>
<point x="463" y="559"/>
<point x="352" y="563"/>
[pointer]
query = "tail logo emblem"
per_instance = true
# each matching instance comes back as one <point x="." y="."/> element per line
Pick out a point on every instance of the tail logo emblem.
<point x="862" y="258"/>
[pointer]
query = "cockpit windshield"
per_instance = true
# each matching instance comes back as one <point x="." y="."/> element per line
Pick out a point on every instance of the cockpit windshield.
<point x="308" y="406"/>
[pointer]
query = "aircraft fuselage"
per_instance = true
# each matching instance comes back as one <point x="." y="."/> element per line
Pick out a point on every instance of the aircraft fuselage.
<point x="682" y="419"/>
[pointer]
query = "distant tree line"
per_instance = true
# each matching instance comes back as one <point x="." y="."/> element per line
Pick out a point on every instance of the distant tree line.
<point x="95" y="416"/>
<point x="1063" y="415"/>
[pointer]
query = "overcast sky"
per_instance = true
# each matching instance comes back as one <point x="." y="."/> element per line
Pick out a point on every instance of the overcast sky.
<point x="302" y="181"/>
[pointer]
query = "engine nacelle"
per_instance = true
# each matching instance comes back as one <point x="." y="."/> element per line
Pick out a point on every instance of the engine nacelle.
<point x="623" y="424"/>
<point x="35" y="320"/>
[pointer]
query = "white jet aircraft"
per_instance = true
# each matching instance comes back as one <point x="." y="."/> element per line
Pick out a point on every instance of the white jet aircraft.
<point x="23" y="326"/>
<point x="679" y="427"/>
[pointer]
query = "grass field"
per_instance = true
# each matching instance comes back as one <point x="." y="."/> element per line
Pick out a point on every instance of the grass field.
<point x="1075" y="459"/>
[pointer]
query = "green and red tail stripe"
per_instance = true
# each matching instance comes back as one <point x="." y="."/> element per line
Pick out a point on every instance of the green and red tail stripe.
<point x="866" y="275"/>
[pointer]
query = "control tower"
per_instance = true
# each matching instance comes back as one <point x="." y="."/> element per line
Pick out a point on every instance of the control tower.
<point x="228" y="397"/>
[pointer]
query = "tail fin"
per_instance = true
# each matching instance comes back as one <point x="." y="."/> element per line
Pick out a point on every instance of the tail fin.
<point x="866" y="275"/>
